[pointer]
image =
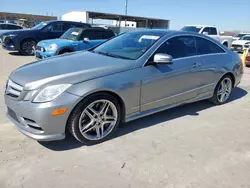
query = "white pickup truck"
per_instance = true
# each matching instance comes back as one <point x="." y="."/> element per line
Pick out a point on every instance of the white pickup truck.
<point x="210" y="31"/>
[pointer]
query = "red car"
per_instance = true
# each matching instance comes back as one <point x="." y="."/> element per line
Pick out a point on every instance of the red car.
<point x="248" y="59"/>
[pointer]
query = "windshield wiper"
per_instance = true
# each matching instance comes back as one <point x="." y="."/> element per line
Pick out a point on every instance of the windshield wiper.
<point x="112" y="55"/>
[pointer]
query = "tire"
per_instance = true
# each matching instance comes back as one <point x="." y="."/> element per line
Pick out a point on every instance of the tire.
<point x="225" y="44"/>
<point x="27" y="47"/>
<point x="226" y="91"/>
<point x="82" y="113"/>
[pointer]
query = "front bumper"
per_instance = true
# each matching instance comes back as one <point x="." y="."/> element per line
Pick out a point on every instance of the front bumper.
<point x="35" y="120"/>
<point x="42" y="55"/>
<point x="9" y="47"/>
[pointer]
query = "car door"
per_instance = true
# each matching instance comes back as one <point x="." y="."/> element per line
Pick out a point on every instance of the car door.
<point x="212" y="56"/>
<point x="164" y="84"/>
<point x="53" y="30"/>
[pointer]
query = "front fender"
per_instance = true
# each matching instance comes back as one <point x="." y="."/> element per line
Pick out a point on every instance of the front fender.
<point x="124" y="84"/>
<point x="64" y="48"/>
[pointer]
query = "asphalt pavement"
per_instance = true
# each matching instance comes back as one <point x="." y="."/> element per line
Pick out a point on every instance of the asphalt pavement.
<point x="192" y="146"/>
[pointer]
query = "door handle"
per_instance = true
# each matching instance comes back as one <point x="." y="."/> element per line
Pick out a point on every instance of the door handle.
<point x="197" y="64"/>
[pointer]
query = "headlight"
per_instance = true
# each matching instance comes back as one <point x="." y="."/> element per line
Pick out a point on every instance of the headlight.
<point x="53" y="46"/>
<point x="29" y="95"/>
<point x="50" y="93"/>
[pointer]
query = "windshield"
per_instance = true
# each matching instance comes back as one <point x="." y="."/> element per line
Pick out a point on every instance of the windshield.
<point x="40" y="25"/>
<point x="129" y="45"/>
<point x="240" y="35"/>
<point x="195" y="29"/>
<point x="72" y="34"/>
<point x="245" y="38"/>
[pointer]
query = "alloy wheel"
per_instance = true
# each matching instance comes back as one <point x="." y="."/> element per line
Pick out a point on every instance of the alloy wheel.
<point x="224" y="89"/>
<point x="98" y="119"/>
<point x="28" y="47"/>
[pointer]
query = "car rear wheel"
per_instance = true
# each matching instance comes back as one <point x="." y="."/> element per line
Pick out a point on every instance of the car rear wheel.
<point x="223" y="90"/>
<point x="28" y="47"/>
<point x="95" y="118"/>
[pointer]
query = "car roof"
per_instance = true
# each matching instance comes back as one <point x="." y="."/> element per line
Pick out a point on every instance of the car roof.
<point x="161" y="32"/>
<point x="200" y="26"/>
<point x="50" y="21"/>
<point x="10" y="24"/>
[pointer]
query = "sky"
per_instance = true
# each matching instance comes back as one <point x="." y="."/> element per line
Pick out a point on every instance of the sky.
<point x="225" y="14"/>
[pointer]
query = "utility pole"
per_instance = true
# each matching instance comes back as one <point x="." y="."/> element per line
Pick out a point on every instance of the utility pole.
<point x="126" y="11"/>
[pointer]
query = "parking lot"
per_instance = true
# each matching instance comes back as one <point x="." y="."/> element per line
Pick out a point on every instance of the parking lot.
<point x="196" y="145"/>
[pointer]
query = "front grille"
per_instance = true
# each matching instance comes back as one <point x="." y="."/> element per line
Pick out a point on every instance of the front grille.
<point x="236" y="46"/>
<point x="12" y="89"/>
<point x="39" y="48"/>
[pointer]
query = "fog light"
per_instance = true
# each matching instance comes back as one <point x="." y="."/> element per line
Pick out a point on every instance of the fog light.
<point x="59" y="111"/>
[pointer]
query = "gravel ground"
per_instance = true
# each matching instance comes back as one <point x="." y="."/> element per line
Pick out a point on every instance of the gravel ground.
<point x="196" y="145"/>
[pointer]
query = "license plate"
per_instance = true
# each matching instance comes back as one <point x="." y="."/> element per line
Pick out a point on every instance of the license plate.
<point x="238" y="48"/>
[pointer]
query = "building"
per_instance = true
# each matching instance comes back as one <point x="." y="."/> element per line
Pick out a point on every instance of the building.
<point x="128" y="23"/>
<point x="119" y="23"/>
<point x="15" y="17"/>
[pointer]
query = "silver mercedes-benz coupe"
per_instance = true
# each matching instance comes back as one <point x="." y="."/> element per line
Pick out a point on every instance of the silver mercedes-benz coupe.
<point x="130" y="76"/>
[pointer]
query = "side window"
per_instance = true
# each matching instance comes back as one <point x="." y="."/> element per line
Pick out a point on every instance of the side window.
<point x="107" y="34"/>
<point x="92" y="35"/>
<point x="54" y="27"/>
<point x="207" y="30"/>
<point x="1" y="26"/>
<point x="178" y="47"/>
<point x="205" y="46"/>
<point x="213" y="31"/>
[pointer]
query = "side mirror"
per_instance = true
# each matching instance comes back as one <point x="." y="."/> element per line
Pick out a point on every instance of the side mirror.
<point x="163" y="59"/>
<point x="205" y="33"/>
<point x="86" y="40"/>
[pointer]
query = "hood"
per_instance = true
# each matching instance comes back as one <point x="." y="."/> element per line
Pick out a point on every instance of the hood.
<point x="59" y="42"/>
<point x="69" y="68"/>
<point x="240" y="42"/>
<point x="19" y="31"/>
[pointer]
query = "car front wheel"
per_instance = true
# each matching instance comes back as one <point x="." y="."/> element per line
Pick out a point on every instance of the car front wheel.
<point x="223" y="90"/>
<point x="95" y="118"/>
<point x="28" y="47"/>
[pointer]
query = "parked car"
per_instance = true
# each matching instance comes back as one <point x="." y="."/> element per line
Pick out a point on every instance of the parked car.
<point x="130" y="76"/>
<point x="25" y="41"/>
<point x="241" y="44"/>
<point x="211" y="31"/>
<point x="9" y="26"/>
<point x="6" y="27"/>
<point x="247" y="61"/>
<point x="239" y="35"/>
<point x="74" y="39"/>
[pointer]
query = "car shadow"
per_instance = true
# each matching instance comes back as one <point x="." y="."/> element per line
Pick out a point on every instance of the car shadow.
<point x="192" y="109"/>
<point x="15" y="53"/>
